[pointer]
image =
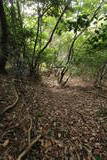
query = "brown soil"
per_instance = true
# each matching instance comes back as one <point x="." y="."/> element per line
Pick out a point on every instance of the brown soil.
<point x="71" y="121"/>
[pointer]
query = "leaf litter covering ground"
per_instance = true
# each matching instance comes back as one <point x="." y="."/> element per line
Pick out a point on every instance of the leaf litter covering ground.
<point x="71" y="122"/>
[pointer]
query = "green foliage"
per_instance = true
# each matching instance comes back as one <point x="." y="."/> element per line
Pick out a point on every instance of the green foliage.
<point x="30" y="31"/>
<point x="99" y="39"/>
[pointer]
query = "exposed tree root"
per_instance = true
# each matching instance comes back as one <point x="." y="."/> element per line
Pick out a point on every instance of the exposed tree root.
<point x="28" y="148"/>
<point x="10" y="106"/>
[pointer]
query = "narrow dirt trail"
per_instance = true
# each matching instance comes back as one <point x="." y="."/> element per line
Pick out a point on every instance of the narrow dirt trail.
<point x="72" y="119"/>
<point x="72" y="115"/>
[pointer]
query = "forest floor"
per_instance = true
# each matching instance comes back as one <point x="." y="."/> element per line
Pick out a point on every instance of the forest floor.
<point x="47" y="122"/>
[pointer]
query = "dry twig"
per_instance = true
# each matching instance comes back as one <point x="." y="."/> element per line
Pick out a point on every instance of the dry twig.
<point x="29" y="131"/>
<point x="28" y="148"/>
<point x="12" y="105"/>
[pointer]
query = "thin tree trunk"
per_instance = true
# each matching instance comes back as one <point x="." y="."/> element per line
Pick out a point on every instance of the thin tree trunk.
<point x="71" y="50"/>
<point x="3" y="39"/>
<point x="51" y="36"/>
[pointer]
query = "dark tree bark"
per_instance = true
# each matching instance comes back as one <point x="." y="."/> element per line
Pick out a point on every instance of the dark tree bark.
<point x="3" y="39"/>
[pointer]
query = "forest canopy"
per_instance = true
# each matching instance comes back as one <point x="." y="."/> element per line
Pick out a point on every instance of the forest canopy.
<point x="68" y="36"/>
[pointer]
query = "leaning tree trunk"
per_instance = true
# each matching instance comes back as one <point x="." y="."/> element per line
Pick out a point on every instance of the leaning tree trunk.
<point x="3" y="39"/>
